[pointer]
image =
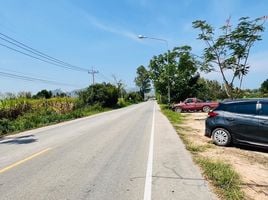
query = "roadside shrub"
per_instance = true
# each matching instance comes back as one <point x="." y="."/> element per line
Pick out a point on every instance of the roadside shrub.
<point x="5" y="126"/>
<point x="104" y="94"/>
<point x="12" y="108"/>
<point x="122" y="103"/>
<point x="134" y="97"/>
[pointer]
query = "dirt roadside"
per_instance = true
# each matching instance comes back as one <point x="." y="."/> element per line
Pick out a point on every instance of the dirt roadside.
<point x="250" y="163"/>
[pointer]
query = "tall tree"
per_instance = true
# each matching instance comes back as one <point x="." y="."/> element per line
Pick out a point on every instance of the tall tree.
<point x="229" y="51"/>
<point x="177" y="68"/>
<point x="143" y="80"/>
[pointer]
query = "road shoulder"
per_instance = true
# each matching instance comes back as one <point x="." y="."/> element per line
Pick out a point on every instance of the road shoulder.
<point x="175" y="175"/>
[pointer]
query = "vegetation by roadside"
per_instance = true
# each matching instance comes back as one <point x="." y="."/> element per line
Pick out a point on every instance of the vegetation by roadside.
<point x="28" y="112"/>
<point x="221" y="175"/>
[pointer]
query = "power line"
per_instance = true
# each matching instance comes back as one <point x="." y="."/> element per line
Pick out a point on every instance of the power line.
<point x="28" y="78"/>
<point x="26" y="54"/>
<point x="105" y="77"/>
<point x="52" y="60"/>
<point x="22" y="73"/>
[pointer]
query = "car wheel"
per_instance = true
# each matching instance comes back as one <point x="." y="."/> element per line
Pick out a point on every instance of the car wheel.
<point x="178" y="109"/>
<point x="221" y="137"/>
<point x="206" y="109"/>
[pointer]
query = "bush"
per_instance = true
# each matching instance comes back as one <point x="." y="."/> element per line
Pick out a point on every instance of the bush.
<point x="104" y="94"/>
<point x="122" y="103"/>
<point x="5" y="126"/>
<point x="134" y="97"/>
<point x="12" y="108"/>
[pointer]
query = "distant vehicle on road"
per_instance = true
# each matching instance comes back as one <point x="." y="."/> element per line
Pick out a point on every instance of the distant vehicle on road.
<point x="194" y="104"/>
<point x="239" y="121"/>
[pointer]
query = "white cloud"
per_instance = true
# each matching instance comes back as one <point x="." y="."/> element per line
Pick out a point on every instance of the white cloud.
<point x="109" y="28"/>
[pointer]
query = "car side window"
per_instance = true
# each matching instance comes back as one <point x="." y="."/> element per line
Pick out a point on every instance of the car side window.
<point x="189" y="101"/>
<point x="230" y="108"/>
<point x="264" y="109"/>
<point x="246" y="108"/>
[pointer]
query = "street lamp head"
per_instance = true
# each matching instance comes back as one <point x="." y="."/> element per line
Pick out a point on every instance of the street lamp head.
<point x="141" y="36"/>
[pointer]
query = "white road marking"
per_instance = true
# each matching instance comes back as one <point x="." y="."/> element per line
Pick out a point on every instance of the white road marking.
<point x="148" y="180"/>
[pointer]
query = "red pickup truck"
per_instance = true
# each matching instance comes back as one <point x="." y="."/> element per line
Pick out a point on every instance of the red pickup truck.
<point x="194" y="104"/>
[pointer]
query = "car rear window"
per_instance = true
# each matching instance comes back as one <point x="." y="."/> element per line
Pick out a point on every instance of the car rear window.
<point x="246" y="108"/>
<point x="241" y="108"/>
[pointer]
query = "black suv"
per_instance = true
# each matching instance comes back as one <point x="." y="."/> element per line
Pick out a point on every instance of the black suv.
<point x="239" y="121"/>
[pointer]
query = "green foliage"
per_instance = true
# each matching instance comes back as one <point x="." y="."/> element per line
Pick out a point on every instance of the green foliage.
<point x="104" y="94"/>
<point x="173" y="117"/>
<point x="12" y="108"/>
<point x="223" y="177"/>
<point x="210" y="90"/>
<point x="133" y="97"/>
<point x="122" y="103"/>
<point x="44" y="116"/>
<point x="5" y="126"/>
<point x="264" y="87"/>
<point x="178" y="69"/>
<point x="143" y="80"/>
<point x="230" y="50"/>
<point x="43" y="94"/>
<point x="194" y="148"/>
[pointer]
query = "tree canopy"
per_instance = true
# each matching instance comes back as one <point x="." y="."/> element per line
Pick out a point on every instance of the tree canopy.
<point x="177" y="68"/>
<point x="264" y="87"/>
<point x="230" y="50"/>
<point x="104" y="94"/>
<point x="142" y="80"/>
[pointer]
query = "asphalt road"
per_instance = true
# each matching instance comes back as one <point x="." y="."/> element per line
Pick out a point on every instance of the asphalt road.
<point x="130" y="153"/>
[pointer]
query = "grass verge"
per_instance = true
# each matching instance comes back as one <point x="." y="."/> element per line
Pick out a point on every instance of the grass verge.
<point x="44" y="117"/>
<point x="222" y="176"/>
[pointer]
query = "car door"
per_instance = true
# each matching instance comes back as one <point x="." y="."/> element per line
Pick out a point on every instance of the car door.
<point x="243" y="121"/>
<point x="189" y="104"/>
<point x="262" y="136"/>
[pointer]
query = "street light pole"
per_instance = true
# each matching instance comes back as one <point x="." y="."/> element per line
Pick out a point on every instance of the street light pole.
<point x="166" y="42"/>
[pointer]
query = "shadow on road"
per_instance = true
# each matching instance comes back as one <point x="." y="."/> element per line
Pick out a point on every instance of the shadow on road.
<point x="27" y="139"/>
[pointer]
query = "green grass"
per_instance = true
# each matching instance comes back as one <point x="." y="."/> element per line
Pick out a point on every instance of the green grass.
<point x="174" y="117"/>
<point x="194" y="148"/>
<point x="44" y="117"/>
<point x="223" y="177"/>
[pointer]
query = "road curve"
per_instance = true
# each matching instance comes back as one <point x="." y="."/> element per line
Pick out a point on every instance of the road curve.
<point x="100" y="157"/>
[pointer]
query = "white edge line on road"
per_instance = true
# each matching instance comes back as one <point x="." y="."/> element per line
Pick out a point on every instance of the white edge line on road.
<point x="148" y="180"/>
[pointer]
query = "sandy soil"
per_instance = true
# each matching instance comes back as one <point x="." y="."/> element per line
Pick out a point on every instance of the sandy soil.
<point x="250" y="163"/>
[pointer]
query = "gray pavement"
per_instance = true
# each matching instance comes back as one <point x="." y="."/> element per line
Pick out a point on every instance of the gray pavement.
<point x="99" y="157"/>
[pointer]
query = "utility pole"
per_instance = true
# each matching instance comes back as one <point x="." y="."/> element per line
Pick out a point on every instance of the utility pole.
<point x="93" y="72"/>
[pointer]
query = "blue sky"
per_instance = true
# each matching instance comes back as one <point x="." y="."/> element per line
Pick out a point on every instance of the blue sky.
<point x="103" y="35"/>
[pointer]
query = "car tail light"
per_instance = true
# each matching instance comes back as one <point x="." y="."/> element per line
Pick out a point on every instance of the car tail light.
<point x="212" y="114"/>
